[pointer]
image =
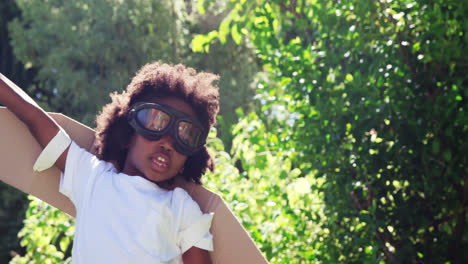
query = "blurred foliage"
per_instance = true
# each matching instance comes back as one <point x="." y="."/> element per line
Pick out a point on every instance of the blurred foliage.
<point x="84" y="50"/>
<point x="357" y="150"/>
<point x="9" y="64"/>
<point x="13" y="204"/>
<point x="372" y="96"/>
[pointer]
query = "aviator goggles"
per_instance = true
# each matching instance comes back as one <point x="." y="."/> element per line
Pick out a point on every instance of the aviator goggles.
<point x="153" y="120"/>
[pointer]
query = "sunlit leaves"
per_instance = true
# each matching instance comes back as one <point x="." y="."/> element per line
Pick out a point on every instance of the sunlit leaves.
<point x="275" y="201"/>
<point x="223" y="31"/>
<point x="201" y="43"/>
<point x="236" y="35"/>
<point x="46" y="235"/>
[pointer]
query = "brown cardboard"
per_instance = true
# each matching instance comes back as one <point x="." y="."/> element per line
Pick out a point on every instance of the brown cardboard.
<point x="19" y="150"/>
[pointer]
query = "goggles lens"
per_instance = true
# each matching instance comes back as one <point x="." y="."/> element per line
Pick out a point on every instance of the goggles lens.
<point x="159" y="121"/>
<point x="153" y="119"/>
<point x="189" y="133"/>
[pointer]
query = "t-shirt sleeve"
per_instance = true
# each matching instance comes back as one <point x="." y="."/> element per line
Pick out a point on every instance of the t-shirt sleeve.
<point x="194" y="229"/>
<point x="80" y="167"/>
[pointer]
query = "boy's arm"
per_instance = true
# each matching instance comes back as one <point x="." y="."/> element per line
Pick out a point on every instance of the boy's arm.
<point x="196" y="256"/>
<point x="41" y="125"/>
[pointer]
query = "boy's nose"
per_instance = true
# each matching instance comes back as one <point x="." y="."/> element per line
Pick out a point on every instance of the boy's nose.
<point x="167" y="142"/>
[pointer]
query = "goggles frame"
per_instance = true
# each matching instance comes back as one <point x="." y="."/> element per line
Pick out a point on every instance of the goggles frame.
<point x="171" y="128"/>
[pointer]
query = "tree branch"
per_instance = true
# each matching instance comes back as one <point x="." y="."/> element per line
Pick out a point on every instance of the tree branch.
<point x="388" y="253"/>
<point x="356" y="201"/>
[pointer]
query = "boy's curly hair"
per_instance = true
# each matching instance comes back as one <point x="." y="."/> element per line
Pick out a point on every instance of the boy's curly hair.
<point x="113" y="131"/>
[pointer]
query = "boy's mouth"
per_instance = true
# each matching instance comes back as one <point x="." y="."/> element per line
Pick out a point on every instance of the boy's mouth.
<point x="160" y="161"/>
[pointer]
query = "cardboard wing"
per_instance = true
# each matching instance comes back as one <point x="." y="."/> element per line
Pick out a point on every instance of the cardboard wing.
<point x="19" y="150"/>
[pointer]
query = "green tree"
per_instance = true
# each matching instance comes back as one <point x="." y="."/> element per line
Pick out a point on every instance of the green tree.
<point x="236" y="64"/>
<point x="84" y="50"/>
<point x="372" y="95"/>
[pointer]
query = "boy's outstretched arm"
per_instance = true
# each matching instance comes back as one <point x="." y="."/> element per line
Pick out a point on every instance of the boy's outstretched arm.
<point x="41" y="125"/>
<point x="196" y="256"/>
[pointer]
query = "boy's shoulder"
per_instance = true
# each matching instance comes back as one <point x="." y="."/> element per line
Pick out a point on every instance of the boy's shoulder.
<point x="180" y="197"/>
<point x="83" y="157"/>
<point x="181" y="193"/>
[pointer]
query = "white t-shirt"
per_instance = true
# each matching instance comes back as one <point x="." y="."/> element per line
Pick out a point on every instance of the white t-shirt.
<point x="128" y="219"/>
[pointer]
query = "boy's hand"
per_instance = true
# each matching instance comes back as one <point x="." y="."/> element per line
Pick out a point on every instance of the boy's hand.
<point x="41" y="125"/>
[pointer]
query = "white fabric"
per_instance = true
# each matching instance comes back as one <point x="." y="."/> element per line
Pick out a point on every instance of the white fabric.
<point x="128" y="219"/>
<point x="52" y="151"/>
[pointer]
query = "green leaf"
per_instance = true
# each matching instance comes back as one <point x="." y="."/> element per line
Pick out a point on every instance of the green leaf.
<point x="236" y="36"/>
<point x="64" y="243"/>
<point x="447" y="155"/>
<point x="201" y="43"/>
<point x="201" y="6"/>
<point x="224" y="30"/>
<point x="435" y="146"/>
<point x="197" y="43"/>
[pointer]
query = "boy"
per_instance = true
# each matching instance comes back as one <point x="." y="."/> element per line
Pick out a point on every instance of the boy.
<point x="128" y="209"/>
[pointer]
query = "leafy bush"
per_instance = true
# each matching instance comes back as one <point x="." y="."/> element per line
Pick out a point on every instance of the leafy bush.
<point x="47" y="235"/>
<point x="372" y="96"/>
<point x="280" y="209"/>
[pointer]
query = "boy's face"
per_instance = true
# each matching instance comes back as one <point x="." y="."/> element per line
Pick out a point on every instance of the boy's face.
<point x="157" y="160"/>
